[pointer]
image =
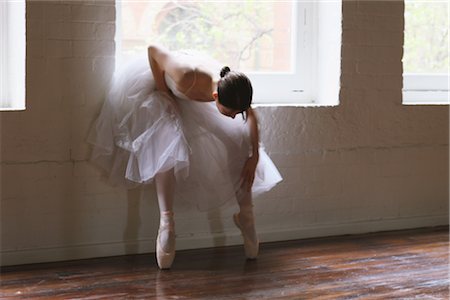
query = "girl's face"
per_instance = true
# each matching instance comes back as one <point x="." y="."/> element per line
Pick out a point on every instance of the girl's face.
<point x="226" y="111"/>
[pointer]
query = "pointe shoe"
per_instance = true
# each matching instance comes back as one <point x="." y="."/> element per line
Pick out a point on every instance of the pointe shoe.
<point x="251" y="247"/>
<point x="165" y="259"/>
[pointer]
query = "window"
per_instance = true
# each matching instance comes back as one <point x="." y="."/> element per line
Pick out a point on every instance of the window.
<point x="12" y="55"/>
<point x="274" y="42"/>
<point x="425" y="59"/>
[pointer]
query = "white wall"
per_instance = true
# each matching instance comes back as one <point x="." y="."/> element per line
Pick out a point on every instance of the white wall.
<point x="368" y="164"/>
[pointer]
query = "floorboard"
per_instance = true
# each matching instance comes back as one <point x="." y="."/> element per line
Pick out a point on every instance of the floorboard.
<point x="410" y="264"/>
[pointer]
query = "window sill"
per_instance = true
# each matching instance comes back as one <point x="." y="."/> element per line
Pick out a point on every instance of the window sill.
<point x="294" y="104"/>
<point x="426" y="103"/>
<point x="12" y="109"/>
<point x="425" y="97"/>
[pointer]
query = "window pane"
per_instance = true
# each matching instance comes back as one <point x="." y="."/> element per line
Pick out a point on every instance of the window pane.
<point x="248" y="35"/>
<point x="426" y="37"/>
<point x="12" y="55"/>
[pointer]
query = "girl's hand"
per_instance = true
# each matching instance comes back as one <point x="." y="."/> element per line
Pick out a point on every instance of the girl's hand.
<point x="248" y="172"/>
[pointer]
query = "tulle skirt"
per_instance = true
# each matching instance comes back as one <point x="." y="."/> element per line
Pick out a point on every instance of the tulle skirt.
<point x="140" y="133"/>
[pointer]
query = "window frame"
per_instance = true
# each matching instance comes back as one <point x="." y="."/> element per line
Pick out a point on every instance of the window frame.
<point x="426" y="89"/>
<point x="294" y="86"/>
<point x="12" y="55"/>
<point x="429" y="89"/>
<point x="302" y="86"/>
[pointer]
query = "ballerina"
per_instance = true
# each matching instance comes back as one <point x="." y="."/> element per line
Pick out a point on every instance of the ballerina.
<point x="172" y="120"/>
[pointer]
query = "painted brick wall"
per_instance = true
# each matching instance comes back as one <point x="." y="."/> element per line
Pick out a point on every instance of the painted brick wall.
<point x="368" y="164"/>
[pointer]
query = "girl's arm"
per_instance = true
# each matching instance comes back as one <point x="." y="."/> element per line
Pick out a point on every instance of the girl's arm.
<point x="254" y="133"/>
<point x="157" y="58"/>
<point x="248" y="172"/>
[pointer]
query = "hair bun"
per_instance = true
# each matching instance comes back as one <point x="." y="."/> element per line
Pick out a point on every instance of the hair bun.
<point x="224" y="71"/>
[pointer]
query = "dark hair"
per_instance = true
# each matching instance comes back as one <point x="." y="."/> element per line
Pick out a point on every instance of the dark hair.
<point x="235" y="90"/>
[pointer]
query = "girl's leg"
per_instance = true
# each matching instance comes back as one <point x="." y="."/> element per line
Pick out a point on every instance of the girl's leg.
<point x="246" y="222"/>
<point x="165" y="242"/>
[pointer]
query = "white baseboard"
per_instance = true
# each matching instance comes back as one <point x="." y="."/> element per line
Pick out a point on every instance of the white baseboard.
<point x="355" y="228"/>
<point x="52" y="254"/>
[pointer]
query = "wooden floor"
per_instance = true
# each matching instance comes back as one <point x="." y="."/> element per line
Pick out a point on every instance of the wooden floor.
<point x="393" y="265"/>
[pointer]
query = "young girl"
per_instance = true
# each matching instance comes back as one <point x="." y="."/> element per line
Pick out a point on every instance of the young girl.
<point x="172" y="120"/>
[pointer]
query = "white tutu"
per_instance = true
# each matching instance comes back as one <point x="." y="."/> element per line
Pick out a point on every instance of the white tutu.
<point x="140" y="133"/>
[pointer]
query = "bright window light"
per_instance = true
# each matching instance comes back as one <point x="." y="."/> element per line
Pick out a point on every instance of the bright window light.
<point x="12" y="55"/>
<point x="274" y="42"/>
<point x="426" y="56"/>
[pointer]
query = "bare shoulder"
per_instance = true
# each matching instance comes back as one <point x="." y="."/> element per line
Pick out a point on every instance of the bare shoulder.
<point x="193" y="74"/>
<point x="199" y="85"/>
<point x="175" y="66"/>
<point x="199" y="77"/>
